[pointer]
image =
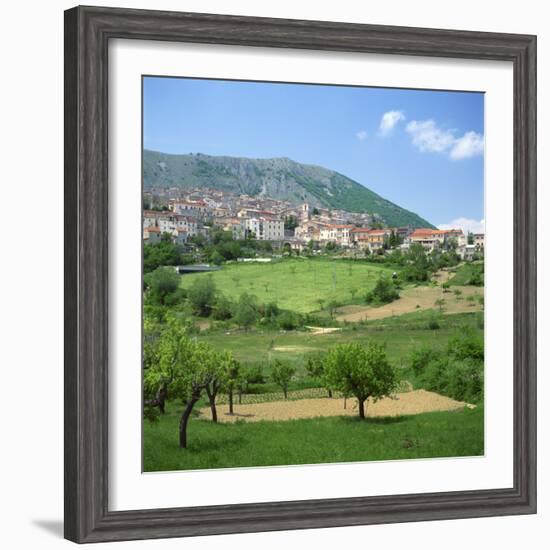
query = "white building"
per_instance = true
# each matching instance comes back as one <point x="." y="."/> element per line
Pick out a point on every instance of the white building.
<point x="170" y="223"/>
<point x="340" y="234"/>
<point x="266" y="229"/>
<point x="194" y="208"/>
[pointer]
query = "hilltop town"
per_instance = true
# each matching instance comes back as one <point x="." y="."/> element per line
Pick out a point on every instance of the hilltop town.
<point x="182" y="215"/>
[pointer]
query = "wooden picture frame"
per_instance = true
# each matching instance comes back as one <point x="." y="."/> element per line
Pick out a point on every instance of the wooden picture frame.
<point x="87" y="34"/>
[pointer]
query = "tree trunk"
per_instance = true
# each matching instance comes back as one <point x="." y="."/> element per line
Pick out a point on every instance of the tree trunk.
<point x="329" y="393"/>
<point x="361" y="408"/>
<point x="212" y="400"/>
<point x="285" y="392"/>
<point x="231" y="401"/>
<point x="185" y="419"/>
<point x="162" y="395"/>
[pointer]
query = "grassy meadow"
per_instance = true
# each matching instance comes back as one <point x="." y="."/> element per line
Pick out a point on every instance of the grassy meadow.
<point x="400" y="335"/>
<point x="306" y="286"/>
<point x="296" y="284"/>
<point x="311" y="441"/>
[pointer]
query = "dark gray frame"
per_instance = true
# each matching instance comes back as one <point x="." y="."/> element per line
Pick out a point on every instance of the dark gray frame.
<point x="87" y="34"/>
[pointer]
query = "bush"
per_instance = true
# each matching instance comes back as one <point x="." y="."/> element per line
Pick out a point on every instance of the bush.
<point x="289" y="320"/>
<point x="433" y="323"/>
<point x="246" y="310"/>
<point x="456" y="371"/>
<point x="222" y="308"/>
<point x="202" y="295"/>
<point x="476" y="278"/>
<point x="270" y="310"/>
<point x="384" y="292"/>
<point x="420" y="358"/>
<point x="253" y="374"/>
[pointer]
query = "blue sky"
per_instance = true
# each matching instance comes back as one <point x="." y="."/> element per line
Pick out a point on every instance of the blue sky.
<point x="420" y="149"/>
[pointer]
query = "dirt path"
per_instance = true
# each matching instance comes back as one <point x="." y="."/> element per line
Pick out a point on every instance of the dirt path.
<point x="413" y="402"/>
<point x="416" y="299"/>
<point x="315" y="331"/>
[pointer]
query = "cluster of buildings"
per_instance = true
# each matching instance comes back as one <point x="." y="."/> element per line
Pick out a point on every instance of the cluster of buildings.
<point x="184" y="214"/>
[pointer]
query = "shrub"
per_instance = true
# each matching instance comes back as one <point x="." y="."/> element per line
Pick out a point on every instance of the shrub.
<point x="253" y="374"/>
<point x="384" y="292"/>
<point x="223" y="308"/>
<point x="202" y="295"/>
<point x="289" y="320"/>
<point x="456" y="371"/>
<point x="433" y="323"/>
<point x="246" y="310"/>
<point x="421" y="357"/>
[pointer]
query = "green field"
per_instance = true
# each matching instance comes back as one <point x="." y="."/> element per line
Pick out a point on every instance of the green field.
<point x="296" y="284"/>
<point x="307" y="285"/>
<point x="311" y="441"/>
<point x="465" y="272"/>
<point x="400" y="335"/>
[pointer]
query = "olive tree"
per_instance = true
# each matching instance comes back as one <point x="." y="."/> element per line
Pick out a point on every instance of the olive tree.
<point x="281" y="374"/>
<point x="361" y="371"/>
<point x="186" y="366"/>
<point x="231" y="375"/>
<point x="225" y="374"/>
<point x="316" y="368"/>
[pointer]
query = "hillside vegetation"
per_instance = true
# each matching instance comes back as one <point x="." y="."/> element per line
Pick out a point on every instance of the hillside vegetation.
<point x="279" y="178"/>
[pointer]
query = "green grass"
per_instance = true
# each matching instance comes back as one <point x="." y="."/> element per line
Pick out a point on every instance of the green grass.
<point x="296" y="284"/>
<point x="464" y="273"/>
<point x="311" y="441"/>
<point x="400" y="335"/>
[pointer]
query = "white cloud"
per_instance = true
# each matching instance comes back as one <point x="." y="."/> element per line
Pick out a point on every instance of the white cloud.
<point x="361" y="135"/>
<point x="469" y="145"/>
<point x="466" y="224"/>
<point x="428" y="137"/>
<point x="389" y="121"/>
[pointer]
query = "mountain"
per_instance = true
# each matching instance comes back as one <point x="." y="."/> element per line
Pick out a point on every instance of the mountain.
<point x="278" y="178"/>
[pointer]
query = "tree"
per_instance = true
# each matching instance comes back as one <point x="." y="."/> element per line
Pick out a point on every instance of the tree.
<point x="332" y="306"/>
<point x="440" y="302"/>
<point x="216" y="258"/>
<point x="162" y="282"/>
<point x="363" y="372"/>
<point x="186" y="367"/>
<point x="151" y="356"/>
<point x="315" y="367"/>
<point x="246" y="311"/>
<point x="214" y="384"/>
<point x="202" y="295"/>
<point x="281" y="374"/>
<point x="231" y="375"/>
<point x="161" y="254"/>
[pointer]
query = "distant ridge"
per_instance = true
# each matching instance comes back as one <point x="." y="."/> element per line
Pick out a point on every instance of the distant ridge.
<point x="279" y="178"/>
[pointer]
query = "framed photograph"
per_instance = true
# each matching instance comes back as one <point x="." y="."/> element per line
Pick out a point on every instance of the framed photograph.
<point x="300" y="274"/>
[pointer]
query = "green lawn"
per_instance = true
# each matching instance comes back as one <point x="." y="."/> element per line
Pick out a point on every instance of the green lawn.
<point x="311" y="441"/>
<point x="296" y="284"/>
<point x="400" y="335"/>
